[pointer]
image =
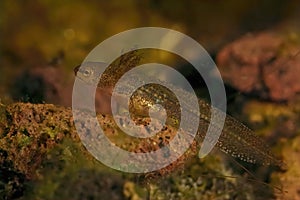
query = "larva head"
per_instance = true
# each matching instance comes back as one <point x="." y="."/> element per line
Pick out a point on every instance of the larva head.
<point x="90" y="72"/>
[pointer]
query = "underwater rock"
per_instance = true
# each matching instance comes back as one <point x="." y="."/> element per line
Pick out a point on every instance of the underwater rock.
<point x="40" y="84"/>
<point x="262" y="64"/>
<point x="41" y="157"/>
<point x="49" y="84"/>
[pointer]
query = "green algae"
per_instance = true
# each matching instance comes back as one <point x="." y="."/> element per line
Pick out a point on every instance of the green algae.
<point x="279" y="124"/>
<point x="290" y="178"/>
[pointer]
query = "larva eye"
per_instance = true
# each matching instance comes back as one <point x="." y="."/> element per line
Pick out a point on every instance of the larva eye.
<point x="87" y="72"/>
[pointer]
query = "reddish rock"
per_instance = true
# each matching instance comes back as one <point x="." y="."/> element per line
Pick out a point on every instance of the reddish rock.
<point x="254" y="64"/>
<point x="40" y="84"/>
<point x="51" y="84"/>
<point x="282" y="78"/>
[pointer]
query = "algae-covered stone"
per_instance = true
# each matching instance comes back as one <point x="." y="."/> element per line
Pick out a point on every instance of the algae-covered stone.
<point x="42" y="158"/>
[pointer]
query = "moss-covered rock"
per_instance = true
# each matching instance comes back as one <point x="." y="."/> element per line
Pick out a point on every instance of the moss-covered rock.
<point x="42" y="158"/>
